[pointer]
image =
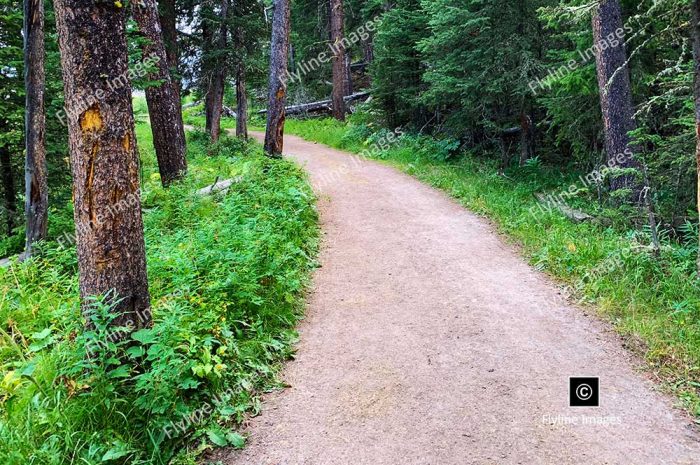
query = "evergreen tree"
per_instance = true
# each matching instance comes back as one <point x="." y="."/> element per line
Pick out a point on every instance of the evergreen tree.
<point x="104" y="159"/>
<point x="396" y="60"/>
<point x="162" y="96"/>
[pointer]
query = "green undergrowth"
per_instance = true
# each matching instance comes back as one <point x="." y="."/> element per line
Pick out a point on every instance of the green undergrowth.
<point x="654" y="302"/>
<point x="227" y="274"/>
<point x="194" y="116"/>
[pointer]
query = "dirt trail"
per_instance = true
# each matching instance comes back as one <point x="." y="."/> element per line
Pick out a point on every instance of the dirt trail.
<point x="430" y="341"/>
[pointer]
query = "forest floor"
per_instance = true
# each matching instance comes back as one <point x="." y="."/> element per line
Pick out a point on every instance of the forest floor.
<point x="428" y="339"/>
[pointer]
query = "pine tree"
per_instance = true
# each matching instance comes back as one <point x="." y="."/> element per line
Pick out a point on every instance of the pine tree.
<point x="164" y="110"/>
<point x="104" y="158"/>
<point x="695" y="33"/>
<point x="339" y="59"/>
<point x="216" y="39"/>
<point x="277" y="96"/>
<point x="396" y="60"/>
<point x="36" y="184"/>
<point x="615" y="93"/>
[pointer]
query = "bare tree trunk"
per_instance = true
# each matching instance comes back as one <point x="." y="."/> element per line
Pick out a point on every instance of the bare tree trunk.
<point x="35" y="175"/>
<point x="347" y="81"/>
<point x="615" y="94"/>
<point x="168" y="25"/>
<point x="368" y="50"/>
<point x="527" y="137"/>
<point x="695" y="31"/>
<point x="8" y="185"/>
<point x="277" y="97"/>
<point x="104" y="158"/>
<point x="338" y="63"/>
<point x="241" y="103"/>
<point x="214" y="102"/>
<point x="164" y="110"/>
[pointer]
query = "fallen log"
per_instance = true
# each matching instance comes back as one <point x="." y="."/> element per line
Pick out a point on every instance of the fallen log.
<point x="219" y="186"/>
<point x="229" y="112"/>
<point x="574" y="215"/>
<point x="320" y="106"/>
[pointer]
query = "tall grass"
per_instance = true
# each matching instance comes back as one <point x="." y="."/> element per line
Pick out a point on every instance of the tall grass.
<point x="226" y="274"/>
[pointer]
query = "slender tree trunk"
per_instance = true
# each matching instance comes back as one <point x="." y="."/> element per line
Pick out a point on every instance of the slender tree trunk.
<point x="292" y="59"/>
<point x="168" y="25"/>
<point x="214" y="102"/>
<point x="164" y="110"/>
<point x="527" y="137"/>
<point x="241" y="103"/>
<point x="368" y="57"/>
<point x="241" y="96"/>
<point x="8" y="187"/>
<point x="163" y="100"/>
<point x="368" y="50"/>
<point x="695" y="30"/>
<point x="347" y="81"/>
<point x="615" y="94"/>
<point x="35" y="175"/>
<point x="338" y="63"/>
<point x="277" y="97"/>
<point x="104" y="158"/>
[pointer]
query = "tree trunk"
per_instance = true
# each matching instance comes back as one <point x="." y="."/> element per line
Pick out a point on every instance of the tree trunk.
<point x="279" y="49"/>
<point x="368" y="50"/>
<point x="35" y="175"/>
<point x="8" y="185"/>
<point x="695" y="31"/>
<point x="241" y="96"/>
<point x="347" y="84"/>
<point x="164" y="110"/>
<point x="215" y="93"/>
<point x="104" y="158"/>
<point x="168" y="25"/>
<point x="338" y="63"/>
<point x="241" y="103"/>
<point x="527" y="137"/>
<point x="615" y="94"/>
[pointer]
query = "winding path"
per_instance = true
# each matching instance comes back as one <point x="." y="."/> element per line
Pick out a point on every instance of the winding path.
<point x="428" y="340"/>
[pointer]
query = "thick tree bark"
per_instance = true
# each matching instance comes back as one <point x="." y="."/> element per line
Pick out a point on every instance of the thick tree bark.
<point x="279" y="49"/>
<point x="35" y="174"/>
<point x="168" y="25"/>
<point x="104" y="158"/>
<point x="615" y="93"/>
<point x="338" y="61"/>
<point x="164" y="110"/>
<point x="8" y="187"/>
<point x="214" y="101"/>
<point x="241" y="103"/>
<point x="695" y="31"/>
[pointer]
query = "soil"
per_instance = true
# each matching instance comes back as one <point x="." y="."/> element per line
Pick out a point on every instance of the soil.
<point x="428" y="340"/>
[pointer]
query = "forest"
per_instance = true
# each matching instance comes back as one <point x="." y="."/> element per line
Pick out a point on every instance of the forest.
<point x="206" y="205"/>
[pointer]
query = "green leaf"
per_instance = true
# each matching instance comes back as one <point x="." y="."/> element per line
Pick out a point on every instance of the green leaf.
<point x="120" y="372"/>
<point x="144" y="336"/>
<point x="135" y="351"/>
<point x="217" y="437"/>
<point x="116" y="452"/>
<point x="236" y="440"/>
<point x="29" y="369"/>
<point x="42" y="334"/>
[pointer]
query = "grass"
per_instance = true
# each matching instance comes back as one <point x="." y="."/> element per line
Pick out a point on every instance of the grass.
<point x="194" y="116"/>
<point x="653" y="302"/>
<point x="226" y="275"/>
